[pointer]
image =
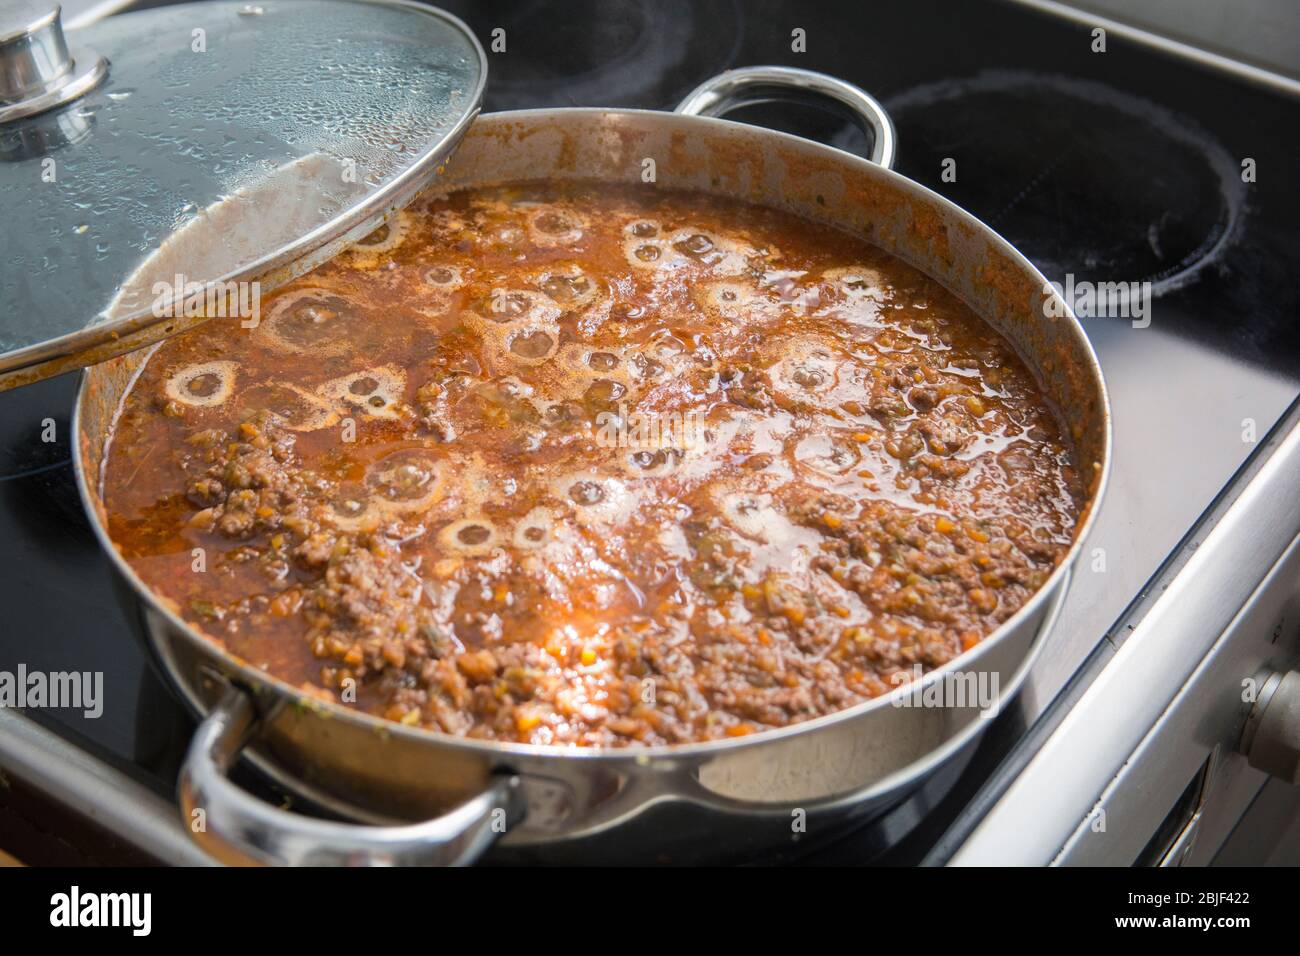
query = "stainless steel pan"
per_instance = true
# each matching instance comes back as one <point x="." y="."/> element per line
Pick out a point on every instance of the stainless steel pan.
<point x="673" y="803"/>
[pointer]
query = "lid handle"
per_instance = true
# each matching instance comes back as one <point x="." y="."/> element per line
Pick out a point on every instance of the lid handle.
<point x="37" y="70"/>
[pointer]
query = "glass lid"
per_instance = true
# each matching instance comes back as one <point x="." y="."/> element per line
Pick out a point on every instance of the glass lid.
<point x="166" y="166"/>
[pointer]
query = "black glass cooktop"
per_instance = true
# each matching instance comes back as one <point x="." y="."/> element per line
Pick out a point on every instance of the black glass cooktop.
<point x="1123" y="166"/>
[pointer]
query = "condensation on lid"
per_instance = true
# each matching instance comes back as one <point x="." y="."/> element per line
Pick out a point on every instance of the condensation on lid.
<point x="229" y="142"/>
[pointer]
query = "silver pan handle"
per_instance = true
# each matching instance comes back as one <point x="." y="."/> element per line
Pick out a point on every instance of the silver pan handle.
<point x="235" y="827"/>
<point x="760" y="84"/>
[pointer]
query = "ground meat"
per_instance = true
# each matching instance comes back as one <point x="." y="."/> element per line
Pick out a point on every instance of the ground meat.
<point x="597" y="467"/>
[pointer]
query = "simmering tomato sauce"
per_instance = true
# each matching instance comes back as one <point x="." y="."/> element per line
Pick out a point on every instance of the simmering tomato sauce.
<point x="597" y="466"/>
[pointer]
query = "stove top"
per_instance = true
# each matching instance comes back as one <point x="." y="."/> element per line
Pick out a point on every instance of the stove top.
<point x="1123" y="166"/>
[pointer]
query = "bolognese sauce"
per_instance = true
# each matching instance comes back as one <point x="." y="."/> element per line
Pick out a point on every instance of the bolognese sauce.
<point x="595" y="466"/>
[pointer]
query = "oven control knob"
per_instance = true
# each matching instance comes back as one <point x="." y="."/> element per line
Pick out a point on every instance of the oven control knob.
<point x="1271" y="739"/>
<point x="38" y="71"/>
